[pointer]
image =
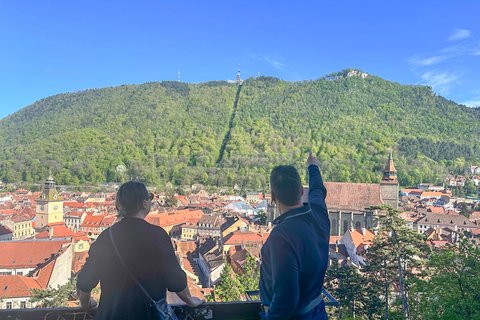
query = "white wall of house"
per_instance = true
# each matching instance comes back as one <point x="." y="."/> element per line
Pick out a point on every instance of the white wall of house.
<point x="16" y="303"/>
<point x="216" y="273"/>
<point x="15" y="271"/>
<point x="351" y="249"/>
<point x="212" y="275"/>
<point x="204" y="268"/>
<point x="62" y="271"/>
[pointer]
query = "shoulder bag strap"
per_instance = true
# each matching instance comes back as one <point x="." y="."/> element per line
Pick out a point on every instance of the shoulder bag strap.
<point x="128" y="270"/>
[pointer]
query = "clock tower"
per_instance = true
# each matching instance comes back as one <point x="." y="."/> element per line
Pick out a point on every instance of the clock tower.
<point x="49" y="205"/>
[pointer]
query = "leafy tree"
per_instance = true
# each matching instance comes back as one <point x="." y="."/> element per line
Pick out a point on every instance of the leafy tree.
<point x="395" y="257"/>
<point x="262" y="216"/>
<point x="228" y="288"/>
<point x="170" y="198"/>
<point x="464" y="210"/>
<point x="249" y="279"/>
<point x="451" y="289"/>
<point x="470" y="188"/>
<point x="55" y="297"/>
<point x="358" y="295"/>
<point x="477" y="206"/>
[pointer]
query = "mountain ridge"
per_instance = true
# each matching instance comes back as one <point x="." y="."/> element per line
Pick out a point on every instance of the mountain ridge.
<point x="173" y="131"/>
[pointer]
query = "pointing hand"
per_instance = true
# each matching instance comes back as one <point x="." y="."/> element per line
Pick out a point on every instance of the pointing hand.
<point x="312" y="160"/>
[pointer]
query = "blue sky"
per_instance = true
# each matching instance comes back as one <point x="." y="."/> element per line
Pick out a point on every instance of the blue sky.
<point x="51" y="47"/>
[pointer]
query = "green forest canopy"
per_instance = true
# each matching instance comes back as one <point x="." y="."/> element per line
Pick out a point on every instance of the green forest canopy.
<point x="173" y="131"/>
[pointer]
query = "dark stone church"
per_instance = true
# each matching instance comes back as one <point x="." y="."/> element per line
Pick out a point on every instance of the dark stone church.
<point x="346" y="202"/>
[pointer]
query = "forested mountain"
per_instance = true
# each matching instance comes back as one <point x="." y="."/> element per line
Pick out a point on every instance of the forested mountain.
<point x="219" y="133"/>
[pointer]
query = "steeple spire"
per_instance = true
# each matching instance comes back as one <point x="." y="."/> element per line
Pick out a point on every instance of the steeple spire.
<point x="50" y="183"/>
<point x="390" y="173"/>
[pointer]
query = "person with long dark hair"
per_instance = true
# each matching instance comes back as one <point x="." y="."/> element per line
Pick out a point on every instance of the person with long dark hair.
<point x="145" y="252"/>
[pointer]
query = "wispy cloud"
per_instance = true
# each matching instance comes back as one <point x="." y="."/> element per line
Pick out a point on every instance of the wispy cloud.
<point x="458" y="34"/>
<point x="427" y="61"/>
<point x="472" y="103"/>
<point x="273" y="62"/>
<point x="440" y="81"/>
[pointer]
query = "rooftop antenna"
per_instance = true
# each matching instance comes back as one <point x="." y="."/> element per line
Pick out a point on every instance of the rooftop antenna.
<point x="178" y="75"/>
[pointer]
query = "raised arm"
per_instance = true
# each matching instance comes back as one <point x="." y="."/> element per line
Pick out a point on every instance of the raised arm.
<point x="317" y="192"/>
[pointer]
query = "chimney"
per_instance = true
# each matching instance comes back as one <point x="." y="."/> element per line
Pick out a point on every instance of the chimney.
<point x="364" y="231"/>
<point x="50" y="232"/>
<point x="220" y="243"/>
<point x="336" y="246"/>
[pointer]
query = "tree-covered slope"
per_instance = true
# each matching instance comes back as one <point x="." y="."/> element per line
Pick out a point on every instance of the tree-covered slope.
<point x="170" y="131"/>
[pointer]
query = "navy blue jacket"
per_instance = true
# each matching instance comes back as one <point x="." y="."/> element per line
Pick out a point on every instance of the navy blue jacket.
<point x="295" y="256"/>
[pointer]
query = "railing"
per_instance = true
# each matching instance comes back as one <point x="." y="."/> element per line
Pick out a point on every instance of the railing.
<point x="235" y="310"/>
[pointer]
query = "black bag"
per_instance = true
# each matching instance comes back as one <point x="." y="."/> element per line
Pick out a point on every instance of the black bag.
<point x="162" y="310"/>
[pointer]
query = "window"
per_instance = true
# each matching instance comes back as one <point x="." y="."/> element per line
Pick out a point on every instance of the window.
<point x="9" y="305"/>
<point x="23" y="305"/>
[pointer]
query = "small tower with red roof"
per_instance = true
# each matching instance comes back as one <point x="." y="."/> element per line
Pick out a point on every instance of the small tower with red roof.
<point x="389" y="187"/>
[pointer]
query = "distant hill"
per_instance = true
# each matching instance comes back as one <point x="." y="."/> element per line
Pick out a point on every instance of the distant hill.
<point x="220" y="134"/>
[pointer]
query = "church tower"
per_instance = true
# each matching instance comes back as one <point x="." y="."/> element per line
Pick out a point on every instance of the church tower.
<point x="389" y="185"/>
<point x="49" y="205"/>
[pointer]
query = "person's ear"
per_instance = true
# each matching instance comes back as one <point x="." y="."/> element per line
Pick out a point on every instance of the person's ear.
<point x="273" y="197"/>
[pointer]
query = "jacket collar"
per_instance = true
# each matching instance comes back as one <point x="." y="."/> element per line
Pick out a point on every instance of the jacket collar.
<point x="294" y="213"/>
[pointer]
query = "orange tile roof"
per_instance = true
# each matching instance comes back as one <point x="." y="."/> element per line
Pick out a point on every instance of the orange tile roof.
<point x="436" y="210"/>
<point x="452" y="212"/>
<point x="334" y="239"/>
<point x="28" y="212"/>
<point x="188" y="266"/>
<point x="43" y="275"/>
<point x="239" y="236"/>
<point x="92" y="221"/>
<point x="17" y="286"/>
<point x="358" y="238"/>
<point x="431" y="194"/>
<point x="351" y="196"/>
<point x="78" y="261"/>
<point x="58" y="230"/>
<point x="9" y="211"/>
<point x="167" y="220"/>
<point x="78" y="205"/>
<point x="186" y="246"/>
<point x="27" y="254"/>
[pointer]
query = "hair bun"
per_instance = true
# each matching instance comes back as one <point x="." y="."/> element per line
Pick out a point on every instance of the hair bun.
<point x="122" y="212"/>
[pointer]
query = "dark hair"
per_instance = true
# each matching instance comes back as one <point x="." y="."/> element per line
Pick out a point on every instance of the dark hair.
<point x="286" y="185"/>
<point x="130" y="197"/>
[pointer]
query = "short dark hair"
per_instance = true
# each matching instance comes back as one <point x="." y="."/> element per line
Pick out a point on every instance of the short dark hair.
<point x="286" y="185"/>
<point x="130" y="197"/>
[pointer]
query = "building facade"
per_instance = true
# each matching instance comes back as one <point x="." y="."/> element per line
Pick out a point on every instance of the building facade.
<point x="49" y="206"/>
